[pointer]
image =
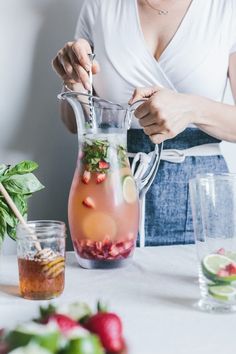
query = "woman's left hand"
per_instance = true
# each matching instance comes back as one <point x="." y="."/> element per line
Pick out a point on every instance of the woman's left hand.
<point x="165" y="114"/>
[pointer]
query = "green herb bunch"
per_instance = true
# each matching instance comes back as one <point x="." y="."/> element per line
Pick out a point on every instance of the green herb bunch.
<point x="96" y="151"/>
<point x="20" y="183"/>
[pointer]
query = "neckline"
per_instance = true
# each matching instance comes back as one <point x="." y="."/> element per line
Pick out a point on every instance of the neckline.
<point x="173" y="39"/>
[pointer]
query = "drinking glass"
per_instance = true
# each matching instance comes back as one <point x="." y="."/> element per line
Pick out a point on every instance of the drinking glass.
<point x="213" y="199"/>
<point x="41" y="259"/>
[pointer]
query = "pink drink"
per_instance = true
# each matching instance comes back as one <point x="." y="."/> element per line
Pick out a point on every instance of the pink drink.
<point x="103" y="203"/>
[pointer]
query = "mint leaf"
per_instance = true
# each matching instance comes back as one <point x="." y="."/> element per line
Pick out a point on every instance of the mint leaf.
<point x="22" y="184"/>
<point x="22" y="168"/>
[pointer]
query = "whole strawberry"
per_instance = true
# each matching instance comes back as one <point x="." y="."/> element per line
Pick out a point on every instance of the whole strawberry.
<point x="64" y="323"/>
<point x="108" y="327"/>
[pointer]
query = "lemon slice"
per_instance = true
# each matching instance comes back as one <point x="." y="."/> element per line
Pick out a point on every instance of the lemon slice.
<point x="129" y="189"/>
<point x="222" y="292"/>
<point x="98" y="225"/>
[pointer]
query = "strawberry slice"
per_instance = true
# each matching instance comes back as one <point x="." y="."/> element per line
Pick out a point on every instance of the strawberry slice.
<point x="100" y="177"/>
<point x="223" y="273"/>
<point x="89" y="202"/>
<point x="231" y="268"/>
<point x="103" y="165"/>
<point x="65" y="323"/>
<point x="86" y="177"/>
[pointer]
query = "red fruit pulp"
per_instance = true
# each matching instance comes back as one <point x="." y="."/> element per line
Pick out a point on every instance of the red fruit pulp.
<point x="89" y="202"/>
<point x="231" y="268"/>
<point x="103" y="165"/>
<point x="100" y="177"/>
<point x="105" y="250"/>
<point x="86" y="177"/>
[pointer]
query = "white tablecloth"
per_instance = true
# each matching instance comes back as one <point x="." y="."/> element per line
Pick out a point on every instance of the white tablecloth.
<point x="155" y="296"/>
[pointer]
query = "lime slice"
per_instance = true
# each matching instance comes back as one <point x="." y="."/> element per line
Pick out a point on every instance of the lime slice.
<point x="29" y="349"/>
<point x="129" y="189"/>
<point x="231" y="255"/>
<point x="46" y="336"/>
<point x="212" y="263"/>
<point x="222" y="292"/>
<point x="87" y="345"/>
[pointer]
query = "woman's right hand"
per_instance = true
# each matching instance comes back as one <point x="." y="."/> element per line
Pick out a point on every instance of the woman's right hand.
<point x="72" y="63"/>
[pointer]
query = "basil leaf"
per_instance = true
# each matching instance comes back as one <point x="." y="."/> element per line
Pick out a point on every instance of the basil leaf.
<point x="3" y="168"/>
<point x="22" y="168"/>
<point x="3" y="205"/>
<point x="23" y="184"/>
<point x="7" y="217"/>
<point x="11" y="231"/>
<point x="3" y="228"/>
<point x="21" y="203"/>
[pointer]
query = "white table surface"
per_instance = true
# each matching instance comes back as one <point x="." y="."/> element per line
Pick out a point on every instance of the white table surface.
<point x="155" y="296"/>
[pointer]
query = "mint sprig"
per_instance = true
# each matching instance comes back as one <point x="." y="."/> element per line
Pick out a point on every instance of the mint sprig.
<point x="96" y="151"/>
<point x="20" y="183"/>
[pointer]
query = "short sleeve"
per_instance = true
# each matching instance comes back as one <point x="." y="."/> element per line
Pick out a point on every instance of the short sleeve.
<point x="86" y="21"/>
<point x="233" y="28"/>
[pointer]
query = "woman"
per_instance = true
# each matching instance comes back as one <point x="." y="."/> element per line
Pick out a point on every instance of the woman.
<point x="180" y="53"/>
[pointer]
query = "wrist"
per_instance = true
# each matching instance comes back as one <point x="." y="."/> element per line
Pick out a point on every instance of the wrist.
<point x="196" y="107"/>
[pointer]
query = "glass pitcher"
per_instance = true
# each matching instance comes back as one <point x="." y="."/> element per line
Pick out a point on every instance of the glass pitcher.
<point x="103" y="207"/>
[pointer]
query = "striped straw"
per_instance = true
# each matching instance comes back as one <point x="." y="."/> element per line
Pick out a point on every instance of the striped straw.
<point x="90" y="92"/>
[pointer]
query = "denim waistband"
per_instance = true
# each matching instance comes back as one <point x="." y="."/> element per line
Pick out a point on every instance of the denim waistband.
<point x="190" y="137"/>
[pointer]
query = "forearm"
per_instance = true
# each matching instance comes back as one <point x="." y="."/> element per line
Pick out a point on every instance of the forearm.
<point x="214" y="118"/>
<point x="68" y="116"/>
<point x="67" y="112"/>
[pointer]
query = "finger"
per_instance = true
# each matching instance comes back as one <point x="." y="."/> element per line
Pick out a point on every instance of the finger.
<point x="81" y="51"/>
<point x="59" y="69"/>
<point x="65" y="62"/>
<point x="153" y="129"/>
<point x="143" y="92"/>
<point x="158" y="138"/>
<point x="83" y="75"/>
<point x="142" y="110"/>
<point x="148" y="120"/>
<point x="95" y="67"/>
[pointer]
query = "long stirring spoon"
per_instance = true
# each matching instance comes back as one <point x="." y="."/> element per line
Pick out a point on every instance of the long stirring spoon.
<point x="90" y="92"/>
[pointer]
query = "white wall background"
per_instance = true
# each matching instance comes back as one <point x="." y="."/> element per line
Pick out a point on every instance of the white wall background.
<point x="31" y="32"/>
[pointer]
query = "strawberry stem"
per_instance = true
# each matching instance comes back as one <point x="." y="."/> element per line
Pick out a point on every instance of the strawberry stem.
<point x="101" y="307"/>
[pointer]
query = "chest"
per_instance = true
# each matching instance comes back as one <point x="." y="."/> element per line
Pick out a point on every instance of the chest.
<point x="159" y="29"/>
<point x="194" y="55"/>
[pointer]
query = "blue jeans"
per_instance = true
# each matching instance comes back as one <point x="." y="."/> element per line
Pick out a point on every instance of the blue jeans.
<point x="168" y="218"/>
